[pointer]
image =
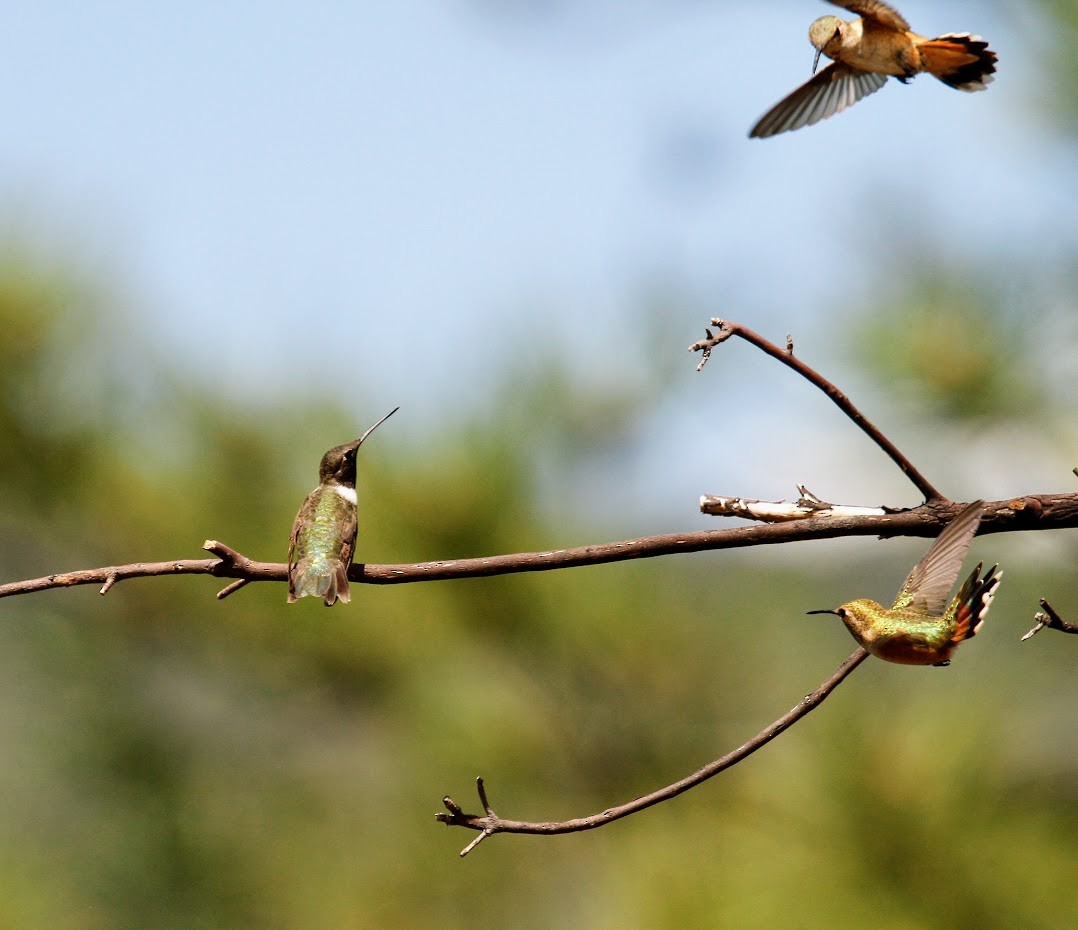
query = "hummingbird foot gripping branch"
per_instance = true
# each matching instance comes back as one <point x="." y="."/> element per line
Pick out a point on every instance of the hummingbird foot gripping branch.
<point x="916" y="630"/>
<point x="324" y="533"/>
<point x="865" y="52"/>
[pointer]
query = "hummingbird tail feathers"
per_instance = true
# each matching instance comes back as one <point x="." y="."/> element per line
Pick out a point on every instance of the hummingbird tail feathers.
<point x="340" y="588"/>
<point x="972" y="602"/>
<point x="960" y="60"/>
<point x="309" y="580"/>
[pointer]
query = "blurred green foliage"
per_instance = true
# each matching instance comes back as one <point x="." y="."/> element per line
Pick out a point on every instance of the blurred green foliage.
<point x="949" y="345"/>
<point x="1059" y="37"/>
<point x="169" y="760"/>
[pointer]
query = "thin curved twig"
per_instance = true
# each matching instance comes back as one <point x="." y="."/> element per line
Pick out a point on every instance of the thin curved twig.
<point x="728" y="328"/>
<point x="1033" y="512"/>
<point x="490" y="823"/>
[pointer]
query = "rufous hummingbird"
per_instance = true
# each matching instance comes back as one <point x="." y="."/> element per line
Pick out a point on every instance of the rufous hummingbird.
<point x="865" y="52"/>
<point x="916" y="630"/>
<point x="324" y="532"/>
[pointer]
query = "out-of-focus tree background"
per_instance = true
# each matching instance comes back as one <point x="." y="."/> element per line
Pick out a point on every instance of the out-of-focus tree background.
<point x="234" y="238"/>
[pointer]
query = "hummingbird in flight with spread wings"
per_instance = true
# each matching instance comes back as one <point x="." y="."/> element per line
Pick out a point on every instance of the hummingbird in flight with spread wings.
<point x="864" y="53"/>
<point x="917" y="630"/>
<point x="324" y="533"/>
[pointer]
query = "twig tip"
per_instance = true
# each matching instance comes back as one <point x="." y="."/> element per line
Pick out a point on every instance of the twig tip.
<point x="479" y="839"/>
<point x="230" y="588"/>
<point x="1041" y="623"/>
<point x="482" y="789"/>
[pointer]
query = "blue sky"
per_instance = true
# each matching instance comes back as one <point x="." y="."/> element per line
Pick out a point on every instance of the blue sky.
<point x="406" y="179"/>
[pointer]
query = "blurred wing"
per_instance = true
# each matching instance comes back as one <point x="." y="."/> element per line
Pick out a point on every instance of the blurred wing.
<point x="933" y="577"/>
<point x="829" y="92"/>
<point x="883" y="13"/>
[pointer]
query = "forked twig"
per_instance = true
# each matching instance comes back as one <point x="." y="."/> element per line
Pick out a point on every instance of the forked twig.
<point x="727" y="328"/>
<point x="1049" y="618"/>
<point x="490" y="823"/>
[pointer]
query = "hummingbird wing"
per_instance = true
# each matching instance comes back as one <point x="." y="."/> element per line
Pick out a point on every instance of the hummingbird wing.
<point x="882" y="13"/>
<point x="348" y="537"/>
<point x="348" y="547"/>
<point x="304" y="512"/>
<point x="292" y="542"/>
<point x="932" y="578"/>
<point x="832" y="90"/>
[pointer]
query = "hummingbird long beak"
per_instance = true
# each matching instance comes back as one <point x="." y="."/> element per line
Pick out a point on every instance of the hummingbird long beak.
<point x="359" y="441"/>
<point x="835" y="612"/>
<point x="816" y="60"/>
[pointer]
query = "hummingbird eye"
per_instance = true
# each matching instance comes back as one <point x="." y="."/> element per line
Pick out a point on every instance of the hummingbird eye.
<point x="841" y="612"/>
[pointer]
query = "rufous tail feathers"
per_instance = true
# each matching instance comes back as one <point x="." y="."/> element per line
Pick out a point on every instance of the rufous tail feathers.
<point x="960" y="60"/>
<point x="974" y="598"/>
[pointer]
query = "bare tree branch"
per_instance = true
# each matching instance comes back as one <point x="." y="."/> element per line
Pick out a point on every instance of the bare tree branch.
<point x="808" y="518"/>
<point x="1033" y="512"/>
<point x="490" y="823"/>
<point x="1050" y="619"/>
<point x="1047" y="511"/>
<point x="727" y="328"/>
<point x="230" y="564"/>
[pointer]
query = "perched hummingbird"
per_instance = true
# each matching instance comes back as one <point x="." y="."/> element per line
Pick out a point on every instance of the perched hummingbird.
<point x="917" y="630"/>
<point x="865" y="51"/>
<point x="324" y="534"/>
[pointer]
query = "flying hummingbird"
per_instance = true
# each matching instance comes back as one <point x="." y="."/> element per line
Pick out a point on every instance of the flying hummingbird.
<point x="324" y="534"/>
<point x="865" y="51"/>
<point x="917" y="630"/>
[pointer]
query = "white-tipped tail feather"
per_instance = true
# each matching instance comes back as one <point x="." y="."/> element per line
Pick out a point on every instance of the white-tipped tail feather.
<point x="960" y="60"/>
